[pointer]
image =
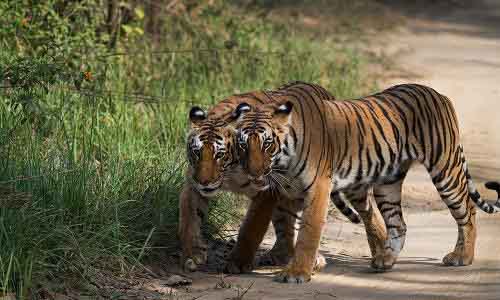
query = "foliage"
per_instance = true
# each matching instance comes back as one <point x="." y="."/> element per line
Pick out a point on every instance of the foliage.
<point x="52" y="27"/>
<point x="91" y="154"/>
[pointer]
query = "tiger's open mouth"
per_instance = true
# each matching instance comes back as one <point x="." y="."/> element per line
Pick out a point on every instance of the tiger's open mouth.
<point x="208" y="190"/>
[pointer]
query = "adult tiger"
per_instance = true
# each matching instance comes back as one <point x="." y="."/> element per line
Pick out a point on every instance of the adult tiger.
<point x="327" y="147"/>
<point x="213" y="166"/>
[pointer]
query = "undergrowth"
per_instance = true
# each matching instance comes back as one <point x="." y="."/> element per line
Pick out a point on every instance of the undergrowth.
<point x="91" y="138"/>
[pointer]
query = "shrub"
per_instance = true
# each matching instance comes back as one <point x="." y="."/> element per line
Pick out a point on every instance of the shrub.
<point x="91" y="137"/>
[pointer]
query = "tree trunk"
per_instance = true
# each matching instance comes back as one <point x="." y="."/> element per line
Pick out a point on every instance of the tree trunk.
<point x="112" y="22"/>
<point x="153" y="12"/>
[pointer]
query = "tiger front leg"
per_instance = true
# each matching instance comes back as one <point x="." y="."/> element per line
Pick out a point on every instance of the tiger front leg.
<point x="252" y="231"/>
<point x="301" y="266"/>
<point x="192" y="210"/>
<point x="283" y="220"/>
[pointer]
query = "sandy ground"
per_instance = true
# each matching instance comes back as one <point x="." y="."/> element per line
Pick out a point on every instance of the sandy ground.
<point x="458" y="53"/>
<point x="418" y="274"/>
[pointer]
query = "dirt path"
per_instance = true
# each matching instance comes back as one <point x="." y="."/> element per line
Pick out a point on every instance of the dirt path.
<point x="418" y="274"/>
<point x="457" y="53"/>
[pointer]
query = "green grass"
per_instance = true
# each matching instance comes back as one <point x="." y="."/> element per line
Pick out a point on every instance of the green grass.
<point x="96" y="173"/>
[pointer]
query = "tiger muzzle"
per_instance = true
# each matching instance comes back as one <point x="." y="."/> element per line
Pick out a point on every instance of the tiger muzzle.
<point x="256" y="161"/>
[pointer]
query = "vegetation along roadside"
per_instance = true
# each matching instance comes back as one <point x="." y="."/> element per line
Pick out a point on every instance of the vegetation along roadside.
<point x="94" y="98"/>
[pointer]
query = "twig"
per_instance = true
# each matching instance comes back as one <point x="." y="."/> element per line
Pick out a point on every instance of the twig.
<point x="171" y="4"/>
<point x="239" y="297"/>
<point x="37" y="176"/>
<point x="179" y="51"/>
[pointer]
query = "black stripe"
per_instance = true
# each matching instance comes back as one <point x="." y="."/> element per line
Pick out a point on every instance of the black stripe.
<point x="324" y="136"/>
<point x="384" y="210"/>
<point x="422" y="120"/>
<point x="389" y="119"/>
<point x="393" y="214"/>
<point x="438" y="125"/>
<point x="379" y="154"/>
<point x="387" y="202"/>
<point x="456" y="205"/>
<point x="299" y="154"/>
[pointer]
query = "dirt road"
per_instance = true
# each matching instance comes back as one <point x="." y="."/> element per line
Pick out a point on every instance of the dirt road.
<point x="457" y="53"/>
<point x="418" y="274"/>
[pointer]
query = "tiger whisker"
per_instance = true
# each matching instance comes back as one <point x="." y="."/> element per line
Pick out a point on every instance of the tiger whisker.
<point x="285" y="180"/>
<point x="278" y="184"/>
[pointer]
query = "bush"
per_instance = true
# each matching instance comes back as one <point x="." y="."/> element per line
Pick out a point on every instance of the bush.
<point x="69" y="29"/>
<point x="91" y="137"/>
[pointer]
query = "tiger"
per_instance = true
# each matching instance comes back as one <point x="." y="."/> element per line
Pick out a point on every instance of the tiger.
<point x="213" y="166"/>
<point x="310" y="148"/>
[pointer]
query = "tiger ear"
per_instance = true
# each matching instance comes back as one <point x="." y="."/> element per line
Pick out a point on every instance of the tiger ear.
<point x="197" y="114"/>
<point x="241" y="109"/>
<point x="282" y="112"/>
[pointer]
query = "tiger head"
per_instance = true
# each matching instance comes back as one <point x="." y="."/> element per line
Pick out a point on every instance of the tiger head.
<point x="264" y="141"/>
<point x="211" y="149"/>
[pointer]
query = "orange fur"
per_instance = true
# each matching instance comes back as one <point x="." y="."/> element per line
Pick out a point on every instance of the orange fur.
<point x="305" y="147"/>
<point x="206" y="175"/>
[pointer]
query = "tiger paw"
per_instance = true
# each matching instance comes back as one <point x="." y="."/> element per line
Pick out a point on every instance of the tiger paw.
<point x="291" y="275"/>
<point x="235" y="267"/>
<point x="272" y="258"/>
<point x="458" y="258"/>
<point x="383" y="262"/>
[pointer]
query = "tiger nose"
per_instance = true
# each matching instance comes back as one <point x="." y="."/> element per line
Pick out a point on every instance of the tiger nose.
<point x="204" y="182"/>
<point x="256" y="178"/>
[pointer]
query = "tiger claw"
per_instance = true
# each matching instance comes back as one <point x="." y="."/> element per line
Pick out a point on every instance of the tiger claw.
<point x="288" y="276"/>
<point x="284" y="278"/>
<point x="382" y="263"/>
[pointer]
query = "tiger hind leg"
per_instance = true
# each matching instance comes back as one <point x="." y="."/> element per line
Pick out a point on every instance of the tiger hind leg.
<point x="251" y="233"/>
<point x="388" y="199"/>
<point x="376" y="231"/>
<point x="463" y="254"/>
<point x="451" y="183"/>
